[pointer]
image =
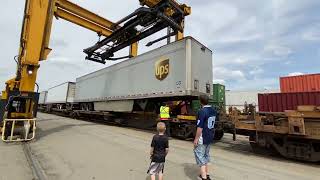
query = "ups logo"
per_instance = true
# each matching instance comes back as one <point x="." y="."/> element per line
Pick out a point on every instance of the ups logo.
<point x="162" y="69"/>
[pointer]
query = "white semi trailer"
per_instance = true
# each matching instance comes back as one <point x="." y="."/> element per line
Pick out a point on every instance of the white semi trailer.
<point x="42" y="97"/>
<point x="61" y="96"/>
<point x="180" y="70"/>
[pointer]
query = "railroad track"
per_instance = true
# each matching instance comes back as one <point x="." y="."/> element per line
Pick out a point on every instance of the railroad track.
<point x="37" y="171"/>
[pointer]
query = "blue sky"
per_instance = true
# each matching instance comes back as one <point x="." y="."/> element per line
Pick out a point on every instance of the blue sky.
<point x="254" y="42"/>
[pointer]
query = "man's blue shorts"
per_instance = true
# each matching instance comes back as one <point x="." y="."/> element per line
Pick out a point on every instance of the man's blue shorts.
<point x="202" y="154"/>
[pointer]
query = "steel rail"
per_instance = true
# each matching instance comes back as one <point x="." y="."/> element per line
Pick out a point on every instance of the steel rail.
<point x="33" y="162"/>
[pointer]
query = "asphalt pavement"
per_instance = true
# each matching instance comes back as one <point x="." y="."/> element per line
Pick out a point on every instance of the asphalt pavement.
<point x="69" y="149"/>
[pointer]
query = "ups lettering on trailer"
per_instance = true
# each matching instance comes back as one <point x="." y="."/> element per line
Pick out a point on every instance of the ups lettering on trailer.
<point x="162" y="69"/>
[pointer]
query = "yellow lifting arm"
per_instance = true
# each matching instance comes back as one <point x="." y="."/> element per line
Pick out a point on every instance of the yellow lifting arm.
<point x="82" y="17"/>
<point x="36" y="30"/>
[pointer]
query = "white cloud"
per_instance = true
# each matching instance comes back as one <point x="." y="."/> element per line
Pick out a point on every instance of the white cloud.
<point x="204" y="14"/>
<point x="219" y="81"/>
<point x="295" y="74"/>
<point x="256" y="71"/>
<point x="312" y="34"/>
<point x="248" y="31"/>
<point x="229" y="27"/>
<point x="60" y="59"/>
<point x="277" y="50"/>
<point x="227" y="74"/>
<point x="237" y="57"/>
<point x="255" y="84"/>
<point x="288" y="62"/>
<point x="240" y="61"/>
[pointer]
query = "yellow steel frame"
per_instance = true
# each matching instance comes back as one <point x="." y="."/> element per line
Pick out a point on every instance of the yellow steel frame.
<point x="189" y="118"/>
<point x="151" y="3"/>
<point x="34" y="47"/>
<point x="35" y="36"/>
<point x="31" y="122"/>
<point x="82" y="17"/>
<point x="36" y="30"/>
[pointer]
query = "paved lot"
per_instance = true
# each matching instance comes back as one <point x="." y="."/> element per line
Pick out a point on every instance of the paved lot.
<point x="76" y="150"/>
<point x="13" y="163"/>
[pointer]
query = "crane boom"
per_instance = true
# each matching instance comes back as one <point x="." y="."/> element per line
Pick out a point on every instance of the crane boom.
<point x="18" y="104"/>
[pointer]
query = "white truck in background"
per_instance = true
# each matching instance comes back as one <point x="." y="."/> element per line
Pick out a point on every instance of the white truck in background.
<point x="60" y="96"/>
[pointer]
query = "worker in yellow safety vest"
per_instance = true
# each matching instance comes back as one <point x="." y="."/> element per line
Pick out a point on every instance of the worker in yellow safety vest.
<point x="164" y="112"/>
<point x="165" y="117"/>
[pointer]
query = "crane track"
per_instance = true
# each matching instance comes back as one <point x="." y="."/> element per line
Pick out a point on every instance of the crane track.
<point x="37" y="171"/>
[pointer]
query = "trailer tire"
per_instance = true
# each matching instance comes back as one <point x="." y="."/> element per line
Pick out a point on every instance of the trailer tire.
<point x="90" y="107"/>
<point x="72" y="115"/>
<point x="258" y="149"/>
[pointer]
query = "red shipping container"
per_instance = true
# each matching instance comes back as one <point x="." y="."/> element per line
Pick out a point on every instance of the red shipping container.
<point x="303" y="83"/>
<point x="279" y="102"/>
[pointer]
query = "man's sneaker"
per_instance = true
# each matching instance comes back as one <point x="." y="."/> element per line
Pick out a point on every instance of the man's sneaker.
<point x="200" y="177"/>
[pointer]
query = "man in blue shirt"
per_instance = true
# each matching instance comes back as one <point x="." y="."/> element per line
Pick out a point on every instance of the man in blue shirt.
<point x="204" y="136"/>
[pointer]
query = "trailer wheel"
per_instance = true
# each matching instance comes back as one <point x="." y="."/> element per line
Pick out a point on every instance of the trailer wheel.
<point x="86" y="106"/>
<point x="90" y="107"/>
<point x="258" y="149"/>
<point x="72" y="115"/>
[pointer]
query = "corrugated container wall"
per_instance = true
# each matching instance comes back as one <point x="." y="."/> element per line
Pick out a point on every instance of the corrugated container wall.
<point x="196" y="105"/>
<point x="219" y="94"/>
<point x="218" y="98"/>
<point x="303" y="83"/>
<point x="279" y="102"/>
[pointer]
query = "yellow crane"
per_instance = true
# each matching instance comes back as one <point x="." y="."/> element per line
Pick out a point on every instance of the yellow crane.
<point x="18" y="105"/>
